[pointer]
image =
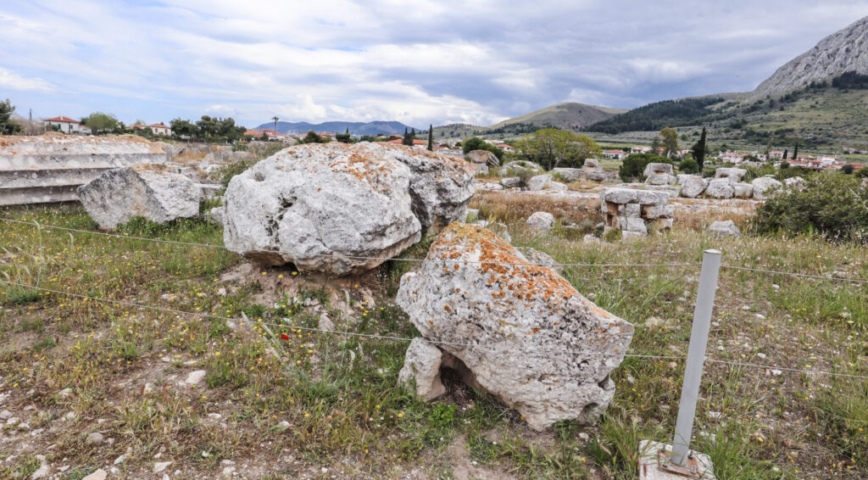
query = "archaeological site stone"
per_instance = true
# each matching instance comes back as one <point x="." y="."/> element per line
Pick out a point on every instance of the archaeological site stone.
<point x="692" y="186"/>
<point x="545" y="182"/>
<point x="720" y="188"/>
<point x="483" y="157"/>
<point x="322" y="206"/>
<point x="734" y="175"/>
<point x="742" y="190"/>
<point x="763" y="187"/>
<point x="51" y="167"/>
<point x="724" y="228"/>
<point x="569" y="174"/>
<point x="524" y="333"/>
<point x="541" y="221"/>
<point x="636" y="212"/>
<point x="520" y="167"/>
<point x="116" y="196"/>
<point x="659" y="174"/>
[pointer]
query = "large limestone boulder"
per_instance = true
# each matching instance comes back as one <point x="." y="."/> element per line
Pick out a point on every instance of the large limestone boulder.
<point x="763" y="187"/>
<point x="692" y="186"/>
<point x="541" y="221"/>
<point x="724" y="228"/>
<point x="734" y="175"/>
<point x="322" y="206"/>
<point x="742" y="190"/>
<point x="519" y="167"/>
<point x="659" y="174"/>
<point x="528" y="337"/>
<point x="795" y="183"/>
<point x="545" y="182"/>
<point x="483" y="157"/>
<point x="116" y="196"/>
<point x="720" y="188"/>
<point x="569" y="174"/>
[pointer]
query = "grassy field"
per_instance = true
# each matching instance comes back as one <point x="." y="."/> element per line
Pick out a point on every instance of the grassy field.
<point x="327" y="405"/>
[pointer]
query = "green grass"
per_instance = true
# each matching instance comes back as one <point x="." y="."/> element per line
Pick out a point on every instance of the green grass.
<point x="340" y="394"/>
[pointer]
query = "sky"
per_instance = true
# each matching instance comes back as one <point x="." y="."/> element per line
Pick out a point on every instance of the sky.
<point x="416" y="62"/>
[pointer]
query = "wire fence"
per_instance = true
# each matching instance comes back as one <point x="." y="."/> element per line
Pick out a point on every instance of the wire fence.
<point x="465" y="262"/>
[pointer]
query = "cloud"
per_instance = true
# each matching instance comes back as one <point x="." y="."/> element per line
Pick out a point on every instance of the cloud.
<point x="433" y="62"/>
<point x="17" y="82"/>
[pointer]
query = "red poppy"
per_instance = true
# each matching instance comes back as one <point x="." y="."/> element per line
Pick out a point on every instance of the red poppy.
<point x="284" y="336"/>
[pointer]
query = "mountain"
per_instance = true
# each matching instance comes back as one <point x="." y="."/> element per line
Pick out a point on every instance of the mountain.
<point x="359" y="128"/>
<point x="566" y="116"/>
<point x="844" y="51"/>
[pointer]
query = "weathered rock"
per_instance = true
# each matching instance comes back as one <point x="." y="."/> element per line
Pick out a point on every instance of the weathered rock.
<point x="658" y="169"/>
<point x="590" y="164"/>
<point x="544" y="182"/>
<point x="519" y="167"/>
<point x="94" y="438"/>
<point x="720" y="188"/>
<point x="661" y="179"/>
<point x="742" y="190"/>
<point x="44" y="468"/>
<point x="195" y="377"/>
<point x="692" y="186"/>
<point x="480" y="169"/>
<point x="724" y="228"/>
<point x="763" y="187"/>
<point x="535" y="257"/>
<point x="483" y="157"/>
<point x="526" y="334"/>
<point x="569" y="174"/>
<point x="734" y="175"/>
<point x="541" y="221"/>
<point x="320" y="206"/>
<point x="510" y="182"/>
<point x="215" y="215"/>
<point x="497" y="228"/>
<point x="99" y="474"/>
<point x="116" y="196"/>
<point x="422" y="367"/>
<point x="489" y="186"/>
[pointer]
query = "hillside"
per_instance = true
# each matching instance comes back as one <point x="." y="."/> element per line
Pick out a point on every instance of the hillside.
<point x="568" y="116"/>
<point x="844" y="51"/>
<point x="359" y="128"/>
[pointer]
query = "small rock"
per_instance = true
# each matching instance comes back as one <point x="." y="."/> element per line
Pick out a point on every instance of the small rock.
<point x="195" y="377"/>
<point x="283" y="426"/>
<point x="99" y="474"/>
<point x="66" y="392"/>
<point x="5" y="415"/>
<point x="120" y="459"/>
<point x="652" y="322"/>
<point x="43" y="470"/>
<point x="94" y="439"/>
<point x="160" y="466"/>
<point x="228" y="471"/>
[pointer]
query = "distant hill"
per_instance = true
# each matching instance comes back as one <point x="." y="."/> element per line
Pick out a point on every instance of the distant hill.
<point x="359" y="128"/>
<point x="844" y="51"/>
<point x="567" y="116"/>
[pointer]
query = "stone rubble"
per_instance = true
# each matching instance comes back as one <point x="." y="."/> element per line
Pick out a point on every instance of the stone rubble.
<point x="634" y="211"/>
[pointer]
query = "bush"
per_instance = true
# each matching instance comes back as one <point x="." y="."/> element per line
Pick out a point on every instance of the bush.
<point x="832" y="205"/>
<point x="688" y="166"/>
<point x="847" y="169"/>
<point x="862" y="173"/>
<point x="476" y="143"/>
<point x="634" y="165"/>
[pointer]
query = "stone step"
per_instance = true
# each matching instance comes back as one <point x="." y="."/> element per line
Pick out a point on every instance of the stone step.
<point x="39" y="194"/>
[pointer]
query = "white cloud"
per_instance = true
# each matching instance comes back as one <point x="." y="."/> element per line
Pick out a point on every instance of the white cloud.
<point x="17" y="82"/>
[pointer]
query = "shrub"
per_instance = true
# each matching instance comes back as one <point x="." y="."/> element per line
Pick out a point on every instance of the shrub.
<point x="832" y="205"/>
<point x="847" y="169"/>
<point x="688" y="166"/>
<point x="634" y="165"/>
<point x="785" y="165"/>
<point x="476" y="143"/>
<point x="863" y="173"/>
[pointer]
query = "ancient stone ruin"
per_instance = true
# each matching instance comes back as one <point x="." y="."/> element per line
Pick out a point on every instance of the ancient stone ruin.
<point x="343" y="209"/>
<point x="51" y="167"/>
<point x="149" y="191"/>
<point x="482" y="160"/>
<point x="636" y="212"/>
<point x="660" y="174"/>
<point x="518" y="331"/>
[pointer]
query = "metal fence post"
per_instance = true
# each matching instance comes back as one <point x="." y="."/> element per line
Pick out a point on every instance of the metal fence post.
<point x="695" y="356"/>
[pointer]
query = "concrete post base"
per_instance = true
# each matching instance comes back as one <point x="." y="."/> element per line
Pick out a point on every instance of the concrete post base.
<point x="650" y="459"/>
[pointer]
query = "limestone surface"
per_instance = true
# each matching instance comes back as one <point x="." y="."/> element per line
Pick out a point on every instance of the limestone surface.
<point x="724" y="228"/>
<point x="692" y="186"/>
<point x="116" y="196"/>
<point x="763" y="187"/>
<point x="541" y="221"/>
<point x="720" y="188"/>
<point x="528" y="337"/>
<point x="483" y="157"/>
<point x="734" y="175"/>
<point x="544" y="182"/>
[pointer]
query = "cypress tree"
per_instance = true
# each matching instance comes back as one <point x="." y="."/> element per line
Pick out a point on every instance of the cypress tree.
<point x="796" y="152"/>
<point x="431" y="137"/>
<point x="699" y="151"/>
<point x="786" y="151"/>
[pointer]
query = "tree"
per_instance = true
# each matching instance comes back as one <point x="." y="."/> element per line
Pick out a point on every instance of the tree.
<point x="785" y="165"/>
<point x="99" y="122"/>
<point x="796" y="152"/>
<point x="847" y="169"/>
<point x="431" y="137"/>
<point x="7" y="125"/>
<point x="699" y="151"/>
<point x="275" y="119"/>
<point x="344" y="137"/>
<point x="655" y="144"/>
<point x="633" y="167"/>
<point x="551" y="147"/>
<point x="670" y="142"/>
<point x="688" y="166"/>
<point x="785" y="154"/>
<point x="184" y="129"/>
<point x="313" y="137"/>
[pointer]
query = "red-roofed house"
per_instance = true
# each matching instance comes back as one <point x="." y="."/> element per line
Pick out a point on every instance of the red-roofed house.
<point x="615" y="154"/>
<point x="505" y="147"/>
<point x="160" y="129"/>
<point x="66" y="125"/>
<point x="416" y="143"/>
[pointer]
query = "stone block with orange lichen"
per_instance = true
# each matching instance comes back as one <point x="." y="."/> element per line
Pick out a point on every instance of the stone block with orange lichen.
<point x="526" y="335"/>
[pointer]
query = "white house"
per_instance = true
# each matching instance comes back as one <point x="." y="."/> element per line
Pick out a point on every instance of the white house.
<point x="66" y="125"/>
<point x="640" y="149"/>
<point x="160" y="129"/>
<point x="615" y="154"/>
